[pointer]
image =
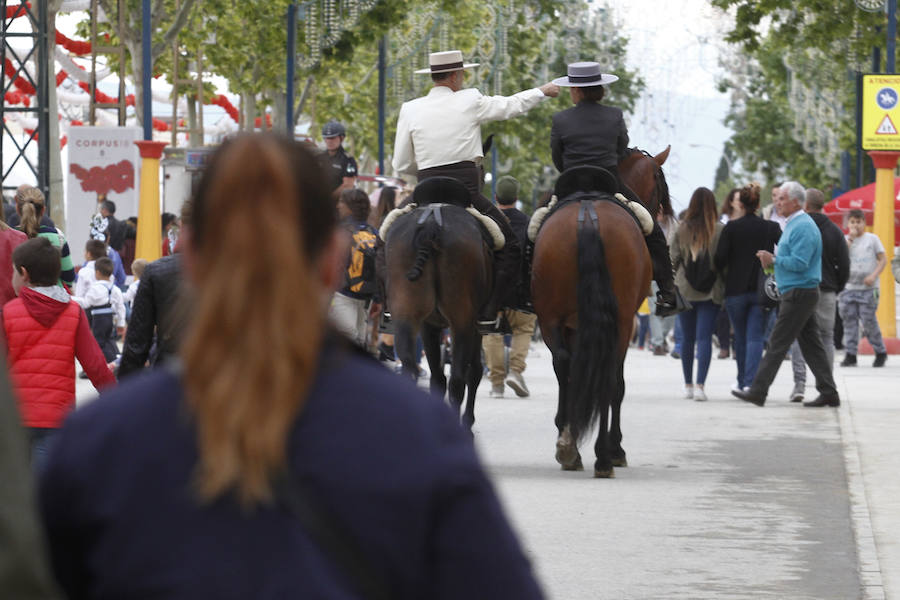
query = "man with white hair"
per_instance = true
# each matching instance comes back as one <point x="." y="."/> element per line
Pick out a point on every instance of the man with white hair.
<point x="798" y="271"/>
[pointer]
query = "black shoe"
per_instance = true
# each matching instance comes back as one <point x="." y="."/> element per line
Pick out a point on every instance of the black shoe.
<point x="849" y="360"/>
<point x="824" y="400"/>
<point x="880" y="359"/>
<point x="749" y="397"/>
<point x="670" y="302"/>
<point x="82" y="375"/>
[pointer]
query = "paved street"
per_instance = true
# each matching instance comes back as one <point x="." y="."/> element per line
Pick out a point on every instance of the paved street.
<point x="721" y="499"/>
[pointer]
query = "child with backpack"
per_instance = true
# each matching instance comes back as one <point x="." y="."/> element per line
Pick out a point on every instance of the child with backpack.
<point x="348" y="306"/>
<point x="45" y="331"/>
<point x="105" y="308"/>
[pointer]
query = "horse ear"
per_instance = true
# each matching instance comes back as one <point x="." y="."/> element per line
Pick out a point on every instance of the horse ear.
<point x="662" y="156"/>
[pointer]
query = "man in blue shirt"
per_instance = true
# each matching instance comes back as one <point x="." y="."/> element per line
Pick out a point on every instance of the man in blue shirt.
<point x="798" y="271"/>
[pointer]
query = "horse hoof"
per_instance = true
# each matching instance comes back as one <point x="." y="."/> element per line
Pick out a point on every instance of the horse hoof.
<point x="605" y="473"/>
<point x="566" y="453"/>
<point x="573" y="466"/>
<point x="620" y="462"/>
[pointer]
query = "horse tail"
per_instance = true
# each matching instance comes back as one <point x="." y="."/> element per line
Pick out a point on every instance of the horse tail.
<point x="593" y="374"/>
<point x="425" y="243"/>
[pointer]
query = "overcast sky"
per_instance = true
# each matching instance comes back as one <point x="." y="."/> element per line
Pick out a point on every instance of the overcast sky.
<point x="675" y="45"/>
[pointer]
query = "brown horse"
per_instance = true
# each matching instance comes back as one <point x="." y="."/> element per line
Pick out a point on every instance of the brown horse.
<point x="439" y="273"/>
<point x="591" y="271"/>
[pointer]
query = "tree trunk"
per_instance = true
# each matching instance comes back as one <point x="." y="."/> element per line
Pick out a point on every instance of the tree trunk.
<point x="137" y="74"/>
<point x="279" y="111"/>
<point x="249" y="111"/>
<point x="194" y="140"/>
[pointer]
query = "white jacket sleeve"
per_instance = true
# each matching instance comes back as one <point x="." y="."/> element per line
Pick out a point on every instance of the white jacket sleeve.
<point x="498" y="108"/>
<point x="404" y="160"/>
<point x="118" y="305"/>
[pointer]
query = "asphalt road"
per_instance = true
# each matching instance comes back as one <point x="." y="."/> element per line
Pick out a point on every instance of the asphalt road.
<point x="722" y="499"/>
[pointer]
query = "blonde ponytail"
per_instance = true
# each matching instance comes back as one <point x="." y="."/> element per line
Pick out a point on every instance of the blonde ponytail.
<point x="31" y="208"/>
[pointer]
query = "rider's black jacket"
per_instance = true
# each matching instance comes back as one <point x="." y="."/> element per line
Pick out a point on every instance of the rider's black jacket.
<point x="589" y="133"/>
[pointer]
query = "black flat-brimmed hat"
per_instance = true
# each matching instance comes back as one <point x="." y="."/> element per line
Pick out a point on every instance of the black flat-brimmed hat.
<point x="444" y="62"/>
<point x="585" y="74"/>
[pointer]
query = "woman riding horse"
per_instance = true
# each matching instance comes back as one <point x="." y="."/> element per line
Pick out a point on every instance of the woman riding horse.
<point x="591" y="133"/>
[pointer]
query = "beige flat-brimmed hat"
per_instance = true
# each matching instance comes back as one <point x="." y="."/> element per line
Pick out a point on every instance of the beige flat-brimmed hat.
<point x="444" y="62"/>
<point x="585" y="74"/>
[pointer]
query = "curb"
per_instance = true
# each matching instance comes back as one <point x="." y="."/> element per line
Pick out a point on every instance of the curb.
<point x="872" y="587"/>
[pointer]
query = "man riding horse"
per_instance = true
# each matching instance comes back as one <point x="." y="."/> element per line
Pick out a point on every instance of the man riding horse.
<point x="591" y="133"/>
<point x="439" y="135"/>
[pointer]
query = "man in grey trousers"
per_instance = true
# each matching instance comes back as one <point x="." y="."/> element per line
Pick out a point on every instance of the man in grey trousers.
<point x="798" y="271"/>
<point x="835" y="271"/>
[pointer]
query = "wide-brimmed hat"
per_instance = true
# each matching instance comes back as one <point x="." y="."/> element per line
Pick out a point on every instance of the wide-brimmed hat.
<point x="585" y="74"/>
<point x="444" y="62"/>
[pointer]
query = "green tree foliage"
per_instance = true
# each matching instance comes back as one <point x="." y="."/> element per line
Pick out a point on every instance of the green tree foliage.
<point x="817" y="44"/>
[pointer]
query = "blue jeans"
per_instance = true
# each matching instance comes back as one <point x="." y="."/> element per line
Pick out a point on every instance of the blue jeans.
<point x="41" y="441"/>
<point x="697" y="326"/>
<point x="749" y="325"/>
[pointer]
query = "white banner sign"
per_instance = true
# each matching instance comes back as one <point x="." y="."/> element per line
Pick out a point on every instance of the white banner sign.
<point x="104" y="164"/>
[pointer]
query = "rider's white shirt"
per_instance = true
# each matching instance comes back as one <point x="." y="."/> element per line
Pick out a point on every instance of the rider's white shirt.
<point x="444" y="127"/>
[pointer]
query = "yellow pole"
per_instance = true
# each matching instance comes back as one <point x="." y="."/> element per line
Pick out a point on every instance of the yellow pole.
<point x="149" y="234"/>
<point x="883" y="227"/>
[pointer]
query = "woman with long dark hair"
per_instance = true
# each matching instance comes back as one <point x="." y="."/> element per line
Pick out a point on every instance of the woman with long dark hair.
<point x="745" y="234"/>
<point x="692" y="250"/>
<point x="387" y="201"/>
<point x="279" y="462"/>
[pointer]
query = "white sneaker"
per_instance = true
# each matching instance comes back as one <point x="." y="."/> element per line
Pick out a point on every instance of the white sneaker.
<point x="688" y="392"/>
<point x="517" y="383"/>
<point x="699" y="394"/>
<point x="497" y="391"/>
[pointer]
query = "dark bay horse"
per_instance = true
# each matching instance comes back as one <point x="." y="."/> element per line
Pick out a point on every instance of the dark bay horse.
<point x="591" y="271"/>
<point x="439" y="273"/>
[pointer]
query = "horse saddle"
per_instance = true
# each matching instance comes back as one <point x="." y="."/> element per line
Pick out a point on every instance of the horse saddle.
<point x="585" y="178"/>
<point x="442" y="190"/>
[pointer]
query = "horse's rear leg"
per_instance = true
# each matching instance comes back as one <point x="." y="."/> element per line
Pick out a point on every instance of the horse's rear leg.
<point x="603" y="466"/>
<point x="431" y="339"/>
<point x="566" y="450"/>
<point x="473" y="378"/>
<point x="405" y="344"/>
<point x="616" y="452"/>
<point x="459" y="366"/>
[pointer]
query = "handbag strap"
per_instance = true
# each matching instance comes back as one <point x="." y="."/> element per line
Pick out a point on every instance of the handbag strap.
<point x="333" y="540"/>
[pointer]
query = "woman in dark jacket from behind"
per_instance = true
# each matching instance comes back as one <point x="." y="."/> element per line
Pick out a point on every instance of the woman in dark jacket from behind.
<point x="189" y="483"/>
<point x="744" y="235"/>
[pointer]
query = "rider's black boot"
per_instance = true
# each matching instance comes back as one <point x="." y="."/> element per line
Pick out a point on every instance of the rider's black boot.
<point x="668" y="299"/>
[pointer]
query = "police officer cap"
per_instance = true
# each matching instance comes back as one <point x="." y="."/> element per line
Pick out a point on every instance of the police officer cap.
<point x="333" y="129"/>
<point x="507" y="189"/>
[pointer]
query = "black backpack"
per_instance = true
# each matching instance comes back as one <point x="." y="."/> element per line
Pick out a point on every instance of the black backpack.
<point x="699" y="272"/>
<point x="361" y="270"/>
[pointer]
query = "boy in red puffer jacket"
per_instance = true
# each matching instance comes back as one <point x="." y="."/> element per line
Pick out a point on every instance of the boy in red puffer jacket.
<point x="45" y="332"/>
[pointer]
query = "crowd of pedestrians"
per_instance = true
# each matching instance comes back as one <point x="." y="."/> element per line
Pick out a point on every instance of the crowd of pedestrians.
<point x="267" y="437"/>
<point x="787" y="278"/>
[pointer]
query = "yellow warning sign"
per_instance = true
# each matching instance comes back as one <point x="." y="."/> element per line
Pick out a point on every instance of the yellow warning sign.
<point x="886" y="127"/>
<point x="881" y="110"/>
